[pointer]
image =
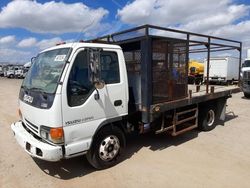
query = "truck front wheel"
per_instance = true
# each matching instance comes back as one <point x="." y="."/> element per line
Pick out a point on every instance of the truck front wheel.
<point x="107" y="148"/>
<point x="207" y="119"/>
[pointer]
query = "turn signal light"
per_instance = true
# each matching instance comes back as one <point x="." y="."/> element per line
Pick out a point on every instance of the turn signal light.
<point x="56" y="134"/>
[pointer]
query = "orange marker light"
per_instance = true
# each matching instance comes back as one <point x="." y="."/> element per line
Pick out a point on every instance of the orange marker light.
<point x="56" y="133"/>
<point x="60" y="43"/>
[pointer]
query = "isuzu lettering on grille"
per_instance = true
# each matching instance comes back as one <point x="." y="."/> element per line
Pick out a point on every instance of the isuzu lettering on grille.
<point x="28" y="98"/>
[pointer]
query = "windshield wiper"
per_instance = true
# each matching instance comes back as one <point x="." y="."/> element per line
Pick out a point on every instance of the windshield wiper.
<point x="35" y="89"/>
<point x="38" y="89"/>
<point x="31" y="88"/>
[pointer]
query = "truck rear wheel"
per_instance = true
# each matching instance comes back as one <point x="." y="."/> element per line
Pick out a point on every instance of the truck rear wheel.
<point x="247" y="95"/>
<point x="107" y="148"/>
<point x="207" y="119"/>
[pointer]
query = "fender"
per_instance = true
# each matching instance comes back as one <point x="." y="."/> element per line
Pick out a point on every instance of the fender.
<point x="110" y="122"/>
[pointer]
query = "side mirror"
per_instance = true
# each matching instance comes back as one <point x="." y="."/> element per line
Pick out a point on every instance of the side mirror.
<point x="32" y="60"/>
<point x="94" y="60"/>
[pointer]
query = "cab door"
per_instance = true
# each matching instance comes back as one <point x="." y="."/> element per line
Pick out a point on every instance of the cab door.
<point x="84" y="107"/>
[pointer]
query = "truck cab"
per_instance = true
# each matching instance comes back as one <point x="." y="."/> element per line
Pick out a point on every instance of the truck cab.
<point x="195" y="72"/>
<point x="65" y="100"/>
<point x="245" y="78"/>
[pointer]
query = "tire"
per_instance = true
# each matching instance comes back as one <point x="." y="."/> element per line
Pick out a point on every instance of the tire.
<point x="198" y="81"/>
<point x="207" y="118"/>
<point x="229" y="82"/>
<point x="191" y="80"/>
<point x="247" y="95"/>
<point x="107" y="147"/>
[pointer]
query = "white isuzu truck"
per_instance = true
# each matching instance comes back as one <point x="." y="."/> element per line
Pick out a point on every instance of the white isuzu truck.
<point x="85" y="97"/>
<point x="245" y="76"/>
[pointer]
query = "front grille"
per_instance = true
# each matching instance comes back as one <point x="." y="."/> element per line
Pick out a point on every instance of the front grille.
<point x="246" y="83"/>
<point x="31" y="126"/>
<point x="246" y="75"/>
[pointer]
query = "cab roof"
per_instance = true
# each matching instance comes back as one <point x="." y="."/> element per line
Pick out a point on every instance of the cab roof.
<point x="76" y="45"/>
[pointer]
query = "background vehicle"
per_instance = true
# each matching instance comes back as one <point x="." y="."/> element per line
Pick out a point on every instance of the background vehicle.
<point x="1" y="70"/>
<point x="195" y="72"/>
<point x="10" y="71"/>
<point x="245" y="76"/>
<point x="223" y="69"/>
<point x="84" y="98"/>
<point x="15" y="71"/>
<point x="19" y="71"/>
<point x="5" y="68"/>
<point x="26" y="68"/>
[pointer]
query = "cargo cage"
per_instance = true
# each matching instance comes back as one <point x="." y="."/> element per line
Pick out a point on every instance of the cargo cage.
<point x="157" y="63"/>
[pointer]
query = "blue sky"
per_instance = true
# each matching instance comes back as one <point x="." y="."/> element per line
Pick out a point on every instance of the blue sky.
<point x="27" y="27"/>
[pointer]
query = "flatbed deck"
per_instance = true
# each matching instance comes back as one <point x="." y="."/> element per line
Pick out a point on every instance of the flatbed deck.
<point x="217" y="88"/>
<point x="196" y="97"/>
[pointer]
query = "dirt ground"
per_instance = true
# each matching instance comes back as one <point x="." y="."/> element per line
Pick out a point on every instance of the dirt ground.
<point x="220" y="158"/>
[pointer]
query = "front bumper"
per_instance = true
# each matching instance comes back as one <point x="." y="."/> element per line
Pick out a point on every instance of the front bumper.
<point x="246" y="88"/>
<point x="35" y="147"/>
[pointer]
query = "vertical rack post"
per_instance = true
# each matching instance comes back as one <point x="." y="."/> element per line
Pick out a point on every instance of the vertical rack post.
<point x="146" y="76"/>
<point x="240" y="51"/>
<point x="187" y="62"/>
<point x="208" y="64"/>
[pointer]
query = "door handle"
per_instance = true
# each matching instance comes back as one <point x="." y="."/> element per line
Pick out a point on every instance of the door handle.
<point x="118" y="103"/>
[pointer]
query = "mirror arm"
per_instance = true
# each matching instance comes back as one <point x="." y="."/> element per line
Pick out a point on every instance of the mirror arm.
<point x="97" y="95"/>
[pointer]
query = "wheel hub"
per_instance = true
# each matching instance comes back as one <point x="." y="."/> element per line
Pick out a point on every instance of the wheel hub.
<point x="109" y="148"/>
<point x="210" y="117"/>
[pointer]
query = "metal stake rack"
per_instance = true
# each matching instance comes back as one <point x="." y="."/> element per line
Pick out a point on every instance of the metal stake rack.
<point x="150" y="49"/>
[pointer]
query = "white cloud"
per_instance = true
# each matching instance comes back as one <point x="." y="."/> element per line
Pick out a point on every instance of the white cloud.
<point x="215" y="21"/>
<point x="14" y="56"/>
<point x="7" y="40"/>
<point x="51" y="17"/>
<point x="42" y="44"/>
<point x="191" y="14"/>
<point x="46" y="43"/>
<point x="240" y="30"/>
<point x="223" y="18"/>
<point x="170" y="12"/>
<point x="28" y="42"/>
<point x="22" y="51"/>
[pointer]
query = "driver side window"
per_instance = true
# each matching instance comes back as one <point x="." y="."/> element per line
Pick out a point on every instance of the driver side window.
<point x="79" y="86"/>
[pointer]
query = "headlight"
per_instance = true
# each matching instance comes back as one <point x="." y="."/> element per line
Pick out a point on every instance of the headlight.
<point x="54" y="135"/>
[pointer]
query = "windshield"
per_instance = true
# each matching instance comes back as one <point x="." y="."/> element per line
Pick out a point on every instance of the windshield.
<point x="246" y="63"/>
<point x="10" y="68"/>
<point x="45" y="72"/>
